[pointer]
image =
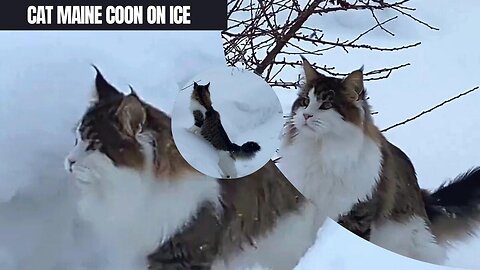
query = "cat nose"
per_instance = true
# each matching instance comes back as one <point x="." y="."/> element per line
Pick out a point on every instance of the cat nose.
<point x="70" y="164"/>
<point x="306" y="116"/>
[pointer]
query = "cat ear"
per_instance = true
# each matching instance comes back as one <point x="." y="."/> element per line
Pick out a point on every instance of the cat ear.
<point x="208" y="85"/>
<point x="132" y="91"/>
<point x="131" y="114"/>
<point x="103" y="89"/>
<point x="195" y="85"/>
<point x="353" y="84"/>
<point x="310" y="73"/>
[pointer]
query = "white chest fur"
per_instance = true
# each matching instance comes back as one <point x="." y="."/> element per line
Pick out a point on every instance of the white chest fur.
<point x="333" y="172"/>
<point x="131" y="213"/>
<point x="196" y="106"/>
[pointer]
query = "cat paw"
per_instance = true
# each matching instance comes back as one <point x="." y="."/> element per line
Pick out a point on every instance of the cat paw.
<point x="194" y="129"/>
<point x="225" y="175"/>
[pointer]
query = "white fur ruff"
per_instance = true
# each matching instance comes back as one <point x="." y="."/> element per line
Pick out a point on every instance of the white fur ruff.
<point x="130" y="211"/>
<point x="411" y="238"/>
<point x="331" y="161"/>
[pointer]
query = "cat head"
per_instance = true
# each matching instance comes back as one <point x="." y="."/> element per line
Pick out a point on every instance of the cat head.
<point x="201" y="93"/>
<point x="110" y="127"/>
<point x="328" y="105"/>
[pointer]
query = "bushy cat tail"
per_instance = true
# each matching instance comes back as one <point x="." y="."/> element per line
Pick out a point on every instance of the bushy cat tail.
<point x="454" y="208"/>
<point x="246" y="151"/>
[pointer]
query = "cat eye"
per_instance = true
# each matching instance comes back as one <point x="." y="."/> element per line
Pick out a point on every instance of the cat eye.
<point x="304" y="101"/>
<point x="326" y="105"/>
<point x="90" y="147"/>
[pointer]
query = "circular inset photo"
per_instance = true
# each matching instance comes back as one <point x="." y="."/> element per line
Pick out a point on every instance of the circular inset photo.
<point x="227" y="122"/>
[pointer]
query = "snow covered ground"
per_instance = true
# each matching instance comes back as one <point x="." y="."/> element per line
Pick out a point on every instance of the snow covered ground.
<point x="249" y="109"/>
<point x="338" y="249"/>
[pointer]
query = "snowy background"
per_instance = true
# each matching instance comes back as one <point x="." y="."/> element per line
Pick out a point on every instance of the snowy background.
<point x="46" y="77"/>
<point x="249" y="109"/>
<point x="46" y="82"/>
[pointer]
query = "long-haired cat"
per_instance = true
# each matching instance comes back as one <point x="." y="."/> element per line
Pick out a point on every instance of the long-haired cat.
<point x="139" y="194"/>
<point x="208" y="124"/>
<point x="336" y="156"/>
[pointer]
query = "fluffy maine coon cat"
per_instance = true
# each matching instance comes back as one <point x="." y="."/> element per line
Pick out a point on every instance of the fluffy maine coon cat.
<point x="207" y="123"/>
<point x="142" y="198"/>
<point x="336" y="156"/>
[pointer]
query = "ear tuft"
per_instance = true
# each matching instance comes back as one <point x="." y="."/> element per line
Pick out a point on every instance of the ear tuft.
<point x="353" y="84"/>
<point x="310" y="73"/>
<point x="103" y="89"/>
<point x="132" y="91"/>
<point x="131" y="114"/>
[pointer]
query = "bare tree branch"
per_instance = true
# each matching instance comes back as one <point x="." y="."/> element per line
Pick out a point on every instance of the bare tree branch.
<point x="431" y="109"/>
<point x="267" y="36"/>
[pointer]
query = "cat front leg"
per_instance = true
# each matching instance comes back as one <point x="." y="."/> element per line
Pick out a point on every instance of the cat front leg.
<point x="194" y="129"/>
<point x="227" y="164"/>
<point x="196" y="247"/>
<point x="359" y="220"/>
<point x="198" y="118"/>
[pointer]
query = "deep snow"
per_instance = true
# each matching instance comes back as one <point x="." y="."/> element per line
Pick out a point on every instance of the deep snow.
<point x="249" y="110"/>
<point x="339" y="249"/>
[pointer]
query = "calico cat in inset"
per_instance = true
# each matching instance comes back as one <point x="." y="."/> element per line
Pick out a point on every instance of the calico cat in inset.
<point x="140" y="195"/>
<point x="336" y="156"/>
<point x="209" y="125"/>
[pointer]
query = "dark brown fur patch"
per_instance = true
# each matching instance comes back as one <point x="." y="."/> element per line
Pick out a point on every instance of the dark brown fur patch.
<point x="212" y="130"/>
<point x="103" y="130"/>
<point x="397" y="197"/>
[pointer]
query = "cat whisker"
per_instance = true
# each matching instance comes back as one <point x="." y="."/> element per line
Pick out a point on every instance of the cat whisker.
<point x="290" y="128"/>
<point x="289" y="125"/>
<point x="291" y="120"/>
<point x="294" y="135"/>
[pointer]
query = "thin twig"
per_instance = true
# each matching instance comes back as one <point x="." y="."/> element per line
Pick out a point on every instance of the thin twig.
<point x="261" y="32"/>
<point x="431" y="109"/>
